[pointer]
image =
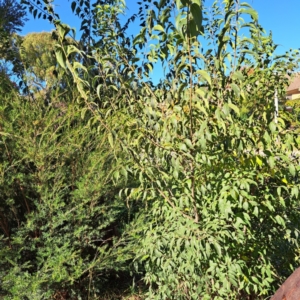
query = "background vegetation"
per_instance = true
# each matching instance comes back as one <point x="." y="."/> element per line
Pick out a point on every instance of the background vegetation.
<point x="113" y="188"/>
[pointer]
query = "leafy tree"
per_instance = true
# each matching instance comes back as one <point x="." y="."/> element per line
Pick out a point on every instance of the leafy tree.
<point x="37" y="53"/>
<point x="61" y="217"/>
<point x="172" y="182"/>
<point x="40" y="67"/>
<point x="215" y="185"/>
<point x="51" y="170"/>
<point x="12" y="18"/>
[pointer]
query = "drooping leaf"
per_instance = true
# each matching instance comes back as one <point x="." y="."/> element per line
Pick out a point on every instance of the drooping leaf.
<point x="197" y="15"/>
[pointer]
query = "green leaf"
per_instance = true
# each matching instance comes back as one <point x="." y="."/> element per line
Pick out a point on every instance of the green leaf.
<point x="158" y="28"/>
<point x="197" y="15"/>
<point x="202" y="92"/>
<point x="83" y="112"/>
<point x="238" y="75"/>
<point x="218" y="248"/>
<point x="292" y="170"/>
<point x="124" y="172"/>
<point x="225" y="109"/>
<point x="204" y="75"/>
<point x="198" y="2"/>
<point x="236" y="89"/>
<point x="73" y="5"/>
<point x="280" y="220"/>
<point x="258" y="161"/>
<point x="253" y="13"/>
<point x="255" y="211"/>
<point x="63" y="30"/>
<point x="189" y="143"/>
<point x="73" y="49"/>
<point x="207" y="247"/>
<point x="235" y="108"/>
<point x="60" y="57"/>
<point x="272" y="127"/>
<point x="181" y="3"/>
<point x="182" y="147"/>
<point x="271" y="162"/>
<point x="175" y="174"/>
<point x="162" y="3"/>
<point x="295" y="192"/>
<point x="78" y="65"/>
<point x="110" y="139"/>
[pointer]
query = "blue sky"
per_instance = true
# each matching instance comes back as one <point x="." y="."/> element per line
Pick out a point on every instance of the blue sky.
<point x="282" y="17"/>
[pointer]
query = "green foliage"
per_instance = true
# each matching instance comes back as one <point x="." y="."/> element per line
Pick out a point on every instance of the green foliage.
<point x="12" y="18"/>
<point x="173" y="180"/>
<point x="6" y="84"/>
<point x="61" y="216"/>
<point x="37" y="54"/>
<point x="295" y="105"/>
<point x="290" y="110"/>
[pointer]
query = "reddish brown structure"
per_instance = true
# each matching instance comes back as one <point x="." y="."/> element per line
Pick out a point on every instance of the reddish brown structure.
<point x="293" y="91"/>
<point x="290" y="289"/>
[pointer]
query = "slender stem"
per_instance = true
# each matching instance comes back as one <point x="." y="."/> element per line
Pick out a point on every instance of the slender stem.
<point x="192" y="164"/>
<point x="236" y="33"/>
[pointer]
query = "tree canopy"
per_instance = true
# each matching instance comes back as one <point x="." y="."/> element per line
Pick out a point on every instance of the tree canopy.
<point x="12" y="16"/>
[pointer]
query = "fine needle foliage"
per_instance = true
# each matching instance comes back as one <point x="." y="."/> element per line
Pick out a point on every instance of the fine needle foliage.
<point x="60" y="213"/>
<point x="115" y="187"/>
